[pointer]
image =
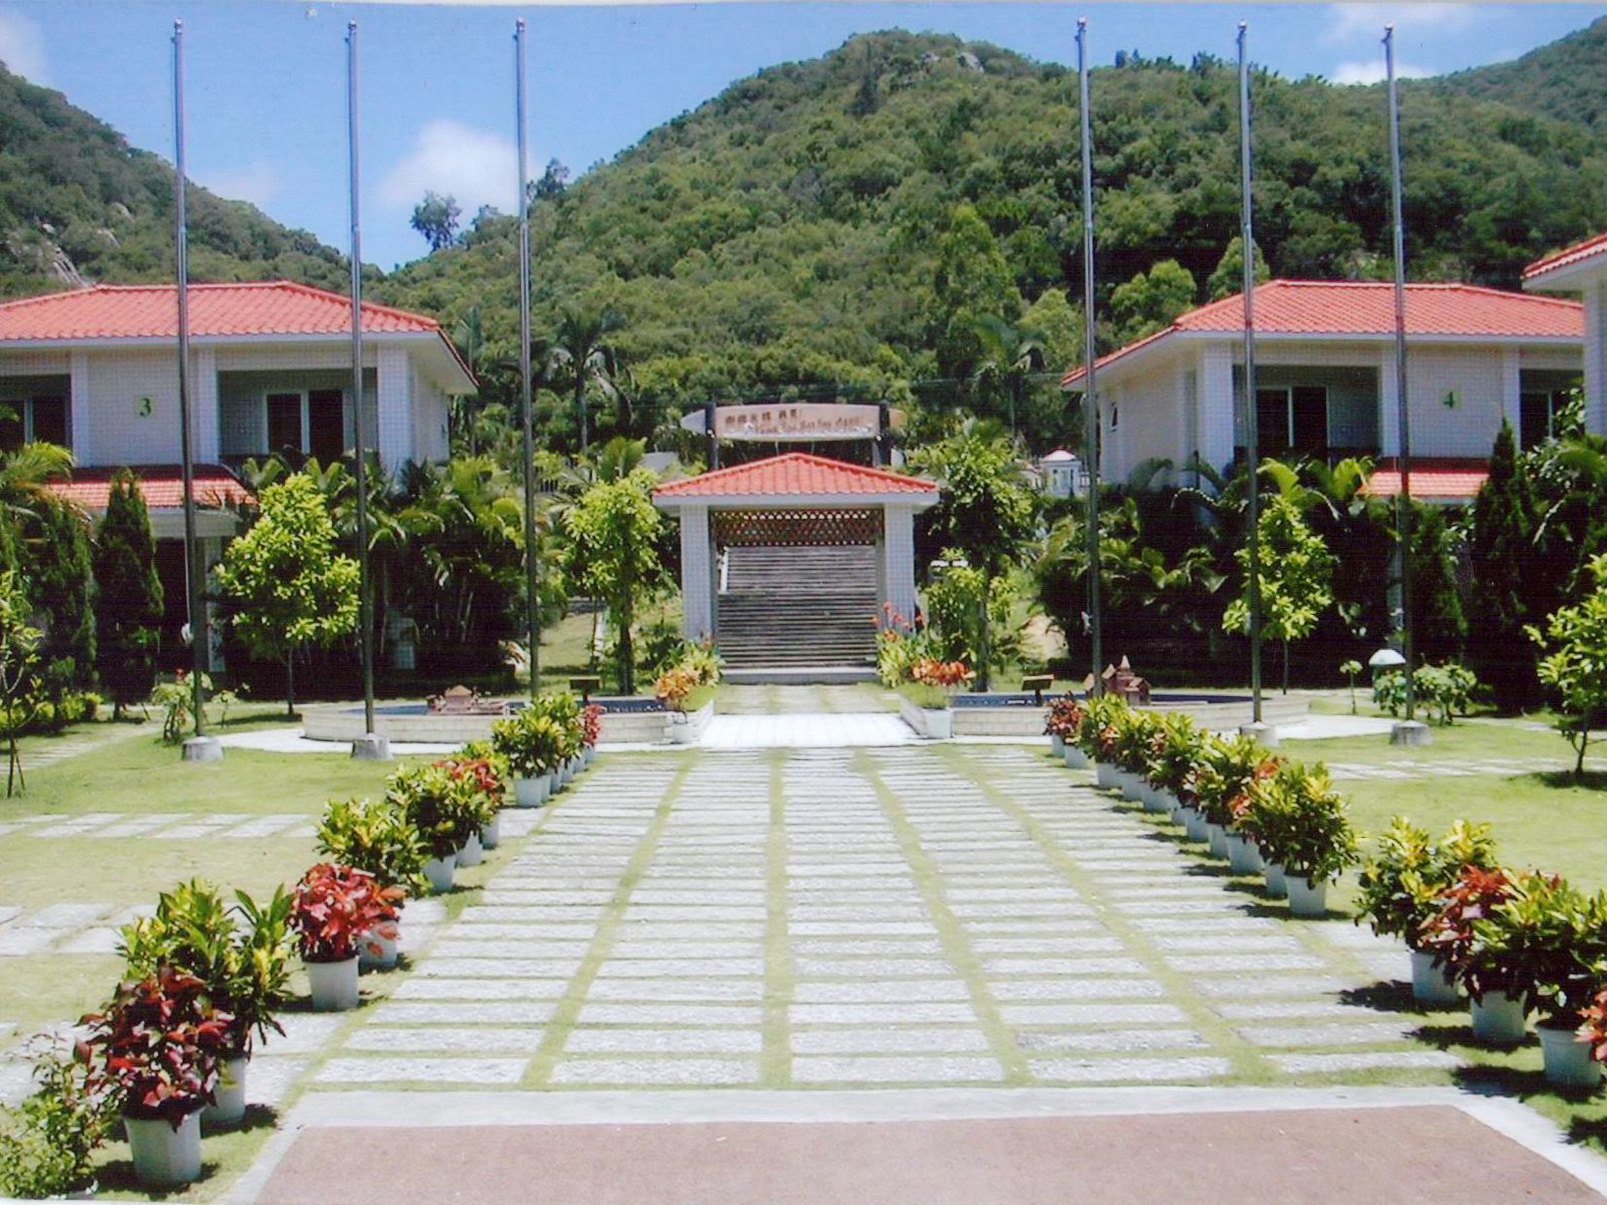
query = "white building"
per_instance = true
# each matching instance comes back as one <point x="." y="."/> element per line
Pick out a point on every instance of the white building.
<point x="1326" y="380"/>
<point x="96" y="370"/>
<point x="1061" y="474"/>
<point x="1582" y="269"/>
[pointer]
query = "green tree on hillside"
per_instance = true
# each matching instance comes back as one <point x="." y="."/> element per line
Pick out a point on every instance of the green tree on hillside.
<point x="1151" y="301"/>
<point x="128" y="597"/>
<point x="583" y="350"/>
<point x="971" y="281"/>
<point x="1227" y="278"/>
<point x="290" y="586"/>
<point x="1009" y="357"/>
<point x="436" y="218"/>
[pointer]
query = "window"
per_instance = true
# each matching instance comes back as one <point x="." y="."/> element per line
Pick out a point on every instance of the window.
<point x="1115" y="416"/>
<point x="1271" y="419"/>
<point x="1537" y="414"/>
<point x="36" y="418"/>
<point x="311" y="423"/>
<point x="1292" y="418"/>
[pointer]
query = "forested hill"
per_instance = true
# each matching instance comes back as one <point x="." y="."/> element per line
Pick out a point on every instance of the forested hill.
<point x="801" y="227"/>
<point x="1566" y="79"/>
<point x="78" y="205"/>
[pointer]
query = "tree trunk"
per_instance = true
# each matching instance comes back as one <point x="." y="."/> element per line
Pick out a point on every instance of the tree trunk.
<point x="984" y="651"/>
<point x="290" y="684"/>
<point x="627" y="655"/>
<point x="1579" y="762"/>
<point x="1285" y="667"/>
<point x="580" y="406"/>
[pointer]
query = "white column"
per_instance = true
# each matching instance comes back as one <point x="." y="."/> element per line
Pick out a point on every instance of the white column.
<point x="1512" y="387"/>
<point x="697" y="574"/>
<point x="1216" y="405"/>
<point x="78" y="406"/>
<point x="395" y="403"/>
<point x="1596" y="358"/>
<point x="207" y="447"/>
<point x="1389" y="426"/>
<point x="898" y="558"/>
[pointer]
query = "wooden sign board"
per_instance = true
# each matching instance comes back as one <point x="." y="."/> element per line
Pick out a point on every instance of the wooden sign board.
<point x="793" y="422"/>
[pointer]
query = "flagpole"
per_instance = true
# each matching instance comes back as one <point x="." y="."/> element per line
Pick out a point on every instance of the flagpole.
<point x="532" y="555"/>
<point x="1410" y="732"/>
<point x="1091" y="431"/>
<point x="200" y="747"/>
<point x="370" y="746"/>
<point x="1251" y="434"/>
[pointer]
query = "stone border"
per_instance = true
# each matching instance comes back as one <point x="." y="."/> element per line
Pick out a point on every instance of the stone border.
<point x="1216" y="717"/>
<point x="933" y="724"/>
<point x="343" y="724"/>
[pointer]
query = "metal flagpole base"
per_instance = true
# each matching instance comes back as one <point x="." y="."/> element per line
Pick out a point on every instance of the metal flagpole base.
<point x="371" y="747"/>
<point x="1264" y="733"/>
<point x="203" y="748"/>
<point x="1410" y="732"/>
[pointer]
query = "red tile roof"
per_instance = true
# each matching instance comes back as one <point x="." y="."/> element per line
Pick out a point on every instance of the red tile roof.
<point x="271" y="307"/>
<point x="1442" y="478"/>
<point x="1345" y="307"/>
<point x="792" y="474"/>
<point x="1568" y="255"/>
<point x="161" y="484"/>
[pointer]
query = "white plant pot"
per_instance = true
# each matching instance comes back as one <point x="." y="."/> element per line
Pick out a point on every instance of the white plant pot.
<point x="1076" y="759"/>
<point x="1217" y="836"/>
<point x="1272" y="875"/>
<point x="491" y="834"/>
<point x="1432" y="984"/>
<point x="1155" y="800"/>
<point x="1194" y="824"/>
<point x="1105" y="775"/>
<point x="1305" y="897"/>
<point x="334" y="985"/>
<point x="681" y="729"/>
<point x="439" y="872"/>
<point x="532" y="792"/>
<point x="1057" y="744"/>
<point x="1244" y="856"/>
<point x="471" y="852"/>
<point x="1568" y="1059"/>
<point x="164" y="1157"/>
<point x="939" y="722"/>
<point x="376" y="953"/>
<point x="229" y="1103"/>
<point x="1132" y="786"/>
<point x="589" y="754"/>
<point x="1498" y="1019"/>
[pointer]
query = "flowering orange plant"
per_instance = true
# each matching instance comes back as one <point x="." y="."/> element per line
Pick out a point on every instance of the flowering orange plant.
<point x="943" y="674"/>
<point x="673" y="687"/>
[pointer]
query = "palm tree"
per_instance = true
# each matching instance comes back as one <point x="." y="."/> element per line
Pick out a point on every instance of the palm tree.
<point x="469" y="335"/>
<point x="580" y="349"/>
<point x="1010" y="356"/>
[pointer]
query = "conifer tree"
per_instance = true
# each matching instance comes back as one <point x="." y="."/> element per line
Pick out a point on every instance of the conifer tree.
<point x="128" y="604"/>
<point x="56" y="559"/>
<point x="1502" y="555"/>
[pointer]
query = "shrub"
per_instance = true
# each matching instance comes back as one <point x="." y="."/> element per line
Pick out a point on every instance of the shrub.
<point x="1298" y="819"/>
<point x="1132" y="732"/>
<point x="335" y="907"/>
<point x="154" y="1050"/>
<point x="1448" y="933"/>
<point x="376" y="836"/>
<point x="245" y="966"/>
<point x="1574" y="668"/>
<point x="1402" y="882"/>
<point x="1175" y="747"/>
<point x="899" y="645"/>
<point x="1223" y="775"/>
<point x="46" y="1141"/>
<point x="177" y="701"/>
<point x="532" y="743"/>
<point x="443" y="809"/>
<point x="1443" y="690"/>
<point x="1063" y="718"/>
<point x="1543" y="941"/>
<point x="1095" y="731"/>
<point x="1593" y="1025"/>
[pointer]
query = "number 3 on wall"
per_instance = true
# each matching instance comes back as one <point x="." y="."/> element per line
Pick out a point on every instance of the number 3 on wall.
<point x="144" y="407"/>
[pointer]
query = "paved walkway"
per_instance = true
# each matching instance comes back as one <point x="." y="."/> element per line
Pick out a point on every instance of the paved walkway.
<point x="897" y="916"/>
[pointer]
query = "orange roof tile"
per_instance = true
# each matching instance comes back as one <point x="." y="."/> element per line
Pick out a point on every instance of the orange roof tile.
<point x="1345" y="307"/>
<point x="271" y="307"/>
<point x="1442" y="478"/>
<point x="1595" y="245"/>
<point x="162" y="486"/>
<point x="792" y="474"/>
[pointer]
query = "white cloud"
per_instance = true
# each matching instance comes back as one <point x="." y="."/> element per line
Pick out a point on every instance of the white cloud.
<point x="1348" y="21"/>
<point x="476" y="167"/>
<point x="22" y="47"/>
<point x="257" y="182"/>
<point x="1371" y="71"/>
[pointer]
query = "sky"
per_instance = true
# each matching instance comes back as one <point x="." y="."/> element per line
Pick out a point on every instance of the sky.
<point x="266" y="81"/>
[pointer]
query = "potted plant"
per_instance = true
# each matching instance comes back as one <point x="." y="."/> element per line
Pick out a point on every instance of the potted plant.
<point x="1134" y="732"/>
<point x="1543" y="945"/>
<point x="443" y="810"/>
<point x="591" y="721"/>
<point x="1299" y="823"/>
<point x="532" y="744"/>
<point x="1174" y="749"/>
<point x="925" y="700"/>
<point x="240" y="951"/>
<point x="335" y="909"/>
<point x="1060" y="722"/>
<point x="155" y="1050"/>
<point x="1400" y="889"/>
<point x="1226" y="768"/>
<point x="563" y="709"/>
<point x="1593" y="1025"/>
<point x="491" y="779"/>
<point x="376" y="836"/>
<point x="48" y="1140"/>
<point x="482" y="791"/>
<point x="1096" y="735"/>
<point x="1449" y="935"/>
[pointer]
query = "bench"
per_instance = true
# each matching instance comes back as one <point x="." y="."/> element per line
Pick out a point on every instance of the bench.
<point x="585" y="684"/>
<point x="1037" y="684"/>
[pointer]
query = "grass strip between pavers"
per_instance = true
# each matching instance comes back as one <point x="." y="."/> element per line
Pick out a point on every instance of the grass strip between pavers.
<point x="775" y="1064"/>
<point x="539" y="1073"/>
<point x="951" y="933"/>
<point x="1246" y="1060"/>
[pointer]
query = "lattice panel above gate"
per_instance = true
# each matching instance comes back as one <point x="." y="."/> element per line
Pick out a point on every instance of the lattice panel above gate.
<point x="796" y="528"/>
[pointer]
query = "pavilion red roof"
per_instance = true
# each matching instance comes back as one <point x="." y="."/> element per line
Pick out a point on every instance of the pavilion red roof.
<point x="1363" y="307"/>
<point x="162" y="486"/>
<point x="792" y="474"/>
<point x="1434" y="478"/>
<point x="270" y="307"/>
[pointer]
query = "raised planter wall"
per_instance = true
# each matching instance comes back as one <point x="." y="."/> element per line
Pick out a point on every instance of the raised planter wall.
<point x="918" y="718"/>
<point x="1214" y="717"/>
